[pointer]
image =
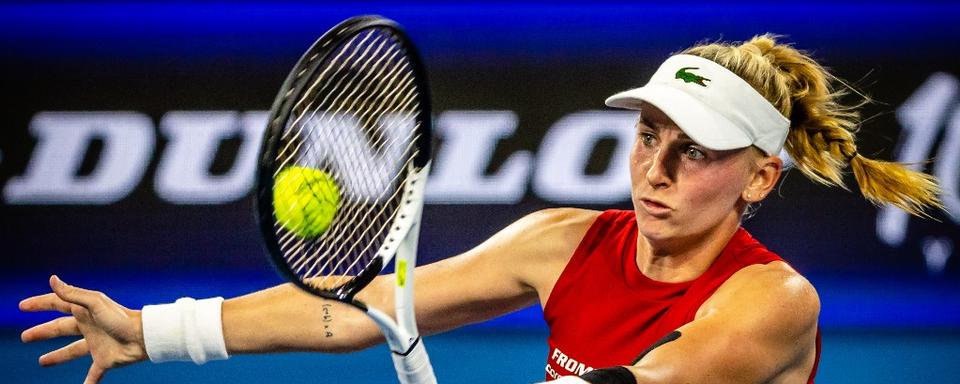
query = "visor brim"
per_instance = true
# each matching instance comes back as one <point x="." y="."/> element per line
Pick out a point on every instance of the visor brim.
<point x="701" y="123"/>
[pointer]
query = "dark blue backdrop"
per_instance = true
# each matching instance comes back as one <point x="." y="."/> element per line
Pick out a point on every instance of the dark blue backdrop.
<point x="539" y="62"/>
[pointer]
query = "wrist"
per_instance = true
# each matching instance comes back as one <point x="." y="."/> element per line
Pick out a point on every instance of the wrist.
<point x="139" y="349"/>
<point x="186" y="330"/>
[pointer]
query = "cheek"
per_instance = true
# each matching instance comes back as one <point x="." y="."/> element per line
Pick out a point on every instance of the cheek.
<point x="636" y="166"/>
<point x="639" y="160"/>
<point x="714" y="188"/>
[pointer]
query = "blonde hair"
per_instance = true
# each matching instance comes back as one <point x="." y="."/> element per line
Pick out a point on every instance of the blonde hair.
<point x="821" y="140"/>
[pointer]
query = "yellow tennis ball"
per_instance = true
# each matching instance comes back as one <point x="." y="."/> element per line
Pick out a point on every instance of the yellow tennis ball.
<point x="305" y="200"/>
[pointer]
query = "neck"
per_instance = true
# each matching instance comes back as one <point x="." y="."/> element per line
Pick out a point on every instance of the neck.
<point x="681" y="259"/>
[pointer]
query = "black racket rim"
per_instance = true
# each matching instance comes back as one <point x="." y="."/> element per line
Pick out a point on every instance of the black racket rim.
<point x="293" y="86"/>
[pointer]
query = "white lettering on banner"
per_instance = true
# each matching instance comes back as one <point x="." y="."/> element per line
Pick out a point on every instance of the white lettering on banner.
<point x="63" y="139"/>
<point x="564" y="153"/>
<point x="469" y="140"/>
<point x="352" y="149"/>
<point x="921" y="117"/>
<point x="947" y="167"/>
<point x="937" y="251"/>
<point x="183" y="175"/>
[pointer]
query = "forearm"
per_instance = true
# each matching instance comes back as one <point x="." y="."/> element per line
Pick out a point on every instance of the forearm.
<point x="285" y="318"/>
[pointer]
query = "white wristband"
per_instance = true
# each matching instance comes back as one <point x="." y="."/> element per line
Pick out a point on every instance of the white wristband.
<point x="187" y="330"/>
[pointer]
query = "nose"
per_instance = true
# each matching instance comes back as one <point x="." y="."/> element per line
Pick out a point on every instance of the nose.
<point x="658" y="173"/>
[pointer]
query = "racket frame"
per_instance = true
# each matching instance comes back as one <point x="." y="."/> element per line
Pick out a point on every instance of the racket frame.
<point x="401" y="244"/>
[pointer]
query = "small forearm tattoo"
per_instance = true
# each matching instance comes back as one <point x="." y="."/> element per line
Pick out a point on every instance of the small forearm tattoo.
<point x="327" y="320"/>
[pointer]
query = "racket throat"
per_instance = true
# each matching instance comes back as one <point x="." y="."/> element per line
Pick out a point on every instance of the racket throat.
<point x="413" y="344"/>
<point x="399" y="340"/>
<point x="348" y="290"/>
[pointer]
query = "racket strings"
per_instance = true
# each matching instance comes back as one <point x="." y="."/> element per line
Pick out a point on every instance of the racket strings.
<point x="341" y="77"/>
<point x="377" y="141"/>
<point x="343" y="157"/>
<point x="367" y="233"/>
<point x="290" y="136"/>
<point x="366" y="255"/>
<point x="356" y="121"/>
<point x="377" y="223"/>
<point x="312" y="119"/>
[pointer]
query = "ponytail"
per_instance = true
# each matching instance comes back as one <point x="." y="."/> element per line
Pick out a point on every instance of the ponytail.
<point x="822" y="136"/>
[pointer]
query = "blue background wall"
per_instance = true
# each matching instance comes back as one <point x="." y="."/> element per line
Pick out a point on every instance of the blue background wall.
<point x="891" y="309"/>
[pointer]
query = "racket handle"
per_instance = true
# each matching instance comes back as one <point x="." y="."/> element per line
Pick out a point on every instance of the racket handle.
<point x="414" y="367"/>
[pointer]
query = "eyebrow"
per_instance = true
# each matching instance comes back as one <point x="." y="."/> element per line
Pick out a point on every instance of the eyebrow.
<point x="683" y="135"/>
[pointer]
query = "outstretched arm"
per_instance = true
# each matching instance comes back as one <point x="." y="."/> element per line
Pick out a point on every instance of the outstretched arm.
<point x="503" y="274"/>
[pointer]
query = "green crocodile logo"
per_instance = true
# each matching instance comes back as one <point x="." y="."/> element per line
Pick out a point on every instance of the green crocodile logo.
<point x="688" y="77"/>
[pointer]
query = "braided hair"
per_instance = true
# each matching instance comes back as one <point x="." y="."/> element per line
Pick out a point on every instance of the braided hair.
<point x="822" y="136"/>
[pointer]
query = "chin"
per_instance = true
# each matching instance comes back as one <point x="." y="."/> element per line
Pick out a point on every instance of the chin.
<point x="654" y="228"/>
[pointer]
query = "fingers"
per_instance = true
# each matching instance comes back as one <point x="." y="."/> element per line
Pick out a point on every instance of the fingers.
<point x="64" y="326"/>
<point x="73" y="294"/>
<point x="47" y="302"/>
<point x="94" y="374"/>
<point x="72" y="351"/>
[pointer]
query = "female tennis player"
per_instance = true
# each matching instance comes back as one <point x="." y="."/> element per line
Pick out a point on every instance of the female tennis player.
<point x="673" y="291"/>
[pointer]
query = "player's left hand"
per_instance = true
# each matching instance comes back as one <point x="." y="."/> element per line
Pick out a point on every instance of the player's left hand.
<point x="112" y="334"/>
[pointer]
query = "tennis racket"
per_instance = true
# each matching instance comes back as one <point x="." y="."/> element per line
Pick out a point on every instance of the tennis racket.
<point x="355" y="113"/>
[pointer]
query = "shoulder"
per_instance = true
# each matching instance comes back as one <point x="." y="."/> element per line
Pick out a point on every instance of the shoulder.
<point x="561" y="222"/>
<point x="773" y="295"/>
<point x="540" y="244"/>
<point x="561" y="215"/>
<point x="540" y="235"/>
<point x="547" y="233"/>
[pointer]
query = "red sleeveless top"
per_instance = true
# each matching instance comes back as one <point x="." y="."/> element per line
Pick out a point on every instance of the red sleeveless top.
<point x="603" y="311"/>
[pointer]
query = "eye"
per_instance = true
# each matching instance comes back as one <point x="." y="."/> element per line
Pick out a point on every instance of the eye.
<point x="647" y="139"/>
<point x="693" y="153"/>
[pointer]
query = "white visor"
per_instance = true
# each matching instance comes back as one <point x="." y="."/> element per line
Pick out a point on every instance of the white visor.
<point x="711" y="104"/>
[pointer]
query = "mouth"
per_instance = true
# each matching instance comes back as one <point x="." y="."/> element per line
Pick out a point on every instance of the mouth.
<point x="655" y="208"/>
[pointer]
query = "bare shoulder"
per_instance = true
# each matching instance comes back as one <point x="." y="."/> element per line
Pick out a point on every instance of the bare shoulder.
<point x="542" y="236"/>
<point x="542" y="243"/>
<point x="773" y="294"/>
<point x="504" y="273"/>
<point x="555" y="226"/>
<point x="528" y="246"/>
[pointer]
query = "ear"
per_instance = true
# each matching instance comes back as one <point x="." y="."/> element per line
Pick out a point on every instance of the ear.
<point x="764" y="178"/>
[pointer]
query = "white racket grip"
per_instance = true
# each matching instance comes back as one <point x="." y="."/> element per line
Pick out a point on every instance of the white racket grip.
<point x="414" y="367"/>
